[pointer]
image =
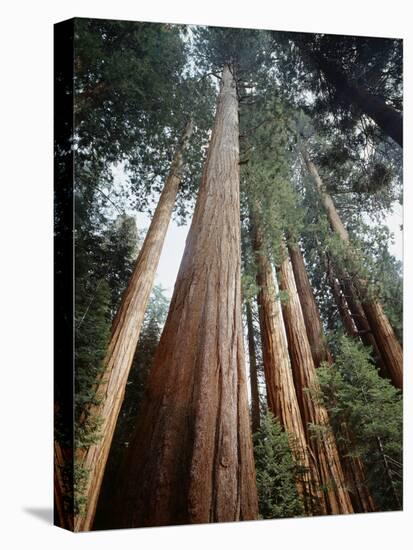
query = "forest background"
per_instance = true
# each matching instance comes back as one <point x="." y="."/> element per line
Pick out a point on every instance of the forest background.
<point x="28" y="279"/>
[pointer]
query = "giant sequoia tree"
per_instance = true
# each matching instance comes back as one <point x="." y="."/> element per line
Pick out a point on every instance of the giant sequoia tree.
<point x="315" y="260"/>
<point x="385" y="337"/>
<point x="191" y="460"/>
<point x="124" y="337"/>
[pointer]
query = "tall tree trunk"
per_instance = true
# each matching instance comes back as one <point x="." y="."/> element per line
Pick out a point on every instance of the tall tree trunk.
<point x="387" y="343"/>
<point x="255" y="396"/>
<point x="191" y="460"/>
<point x="340" y="299"/>
<point x="124" y="337"/>
<point x="313" y="413"/>
<point x="386" y="117"/>
<point x="355" y="476"/>
<point x="352" y="313"/>
<point x="364" y="330"/>
<point x="63" y="487"/>
<point x="281" y="393"/>
<point x="312" y="320"/>
<point x="353" y="468"/>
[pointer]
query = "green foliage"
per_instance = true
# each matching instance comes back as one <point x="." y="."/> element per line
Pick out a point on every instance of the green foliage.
<point x="104" y="263"/>
<point x="245" y="50"/>
<point x="80" y="478"/>
<point x="129" y="414"/>
<point x="276" y="471"/>
<point x="371" y="409"/>
<point x="268" y="172"/>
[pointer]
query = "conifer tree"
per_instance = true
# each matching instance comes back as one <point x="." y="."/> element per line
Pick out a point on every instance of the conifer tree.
<point x="371" y="407"/>
<point x="191" y="459"/>
<point x="385" y="337"/>
<point x="276" y="471"/>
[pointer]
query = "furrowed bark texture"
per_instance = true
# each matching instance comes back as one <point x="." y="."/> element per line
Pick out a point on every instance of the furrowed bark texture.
<point x="386" y="340"/>
<point x="281" y="394"/>
<point x="255" y="396"/>
<point x="364" y="331"/>
<point x="191" y="460"/>
<point x="390" y="348"/>
<point x="124" y="338"/>
<point x="340" y="300"/>
<point x="323" y="445"/>
<point x="63" y="488"/>
<point x="312" y="320"/>
<point x="355" y="476"/>
<point x="389" y="119"/>
<point x="353" y="468"/>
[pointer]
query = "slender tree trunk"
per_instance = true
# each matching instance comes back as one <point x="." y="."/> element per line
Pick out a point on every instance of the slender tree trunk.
<point x="312" y="320"/>
<point x="191" y="460"/>
<point x="124" y="337"/>
<point x="352" y="314"/>
<point x="386" y="117"/>
<point x="355" y="475"/>
<point x="386" y="340"/>
<point x="364" y="331"/>
<point x="281" y="394"/>
<point x="340" y="300"/>
<point x="255" y="396"/>
<point x="389" y="346"/>
<point x="353" y="468"/>
<point x="313" y="413"/>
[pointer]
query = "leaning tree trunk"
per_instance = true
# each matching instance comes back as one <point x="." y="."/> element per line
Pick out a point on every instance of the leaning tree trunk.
<point x="281" y="394"/>
<point x="387" y="343"/>
<point x="386" y="117"/>
<point x="343" y="308"/>
<point x="124" y="337"/>
<point x="191" y="459"/>
<point x="352" y="314"/>
<point x="311" y="314"/>
<point x="313" y="413"/>
<point x="255" y="396"/>
<point x="364" y="330"/>
<point x="353" y="467"/>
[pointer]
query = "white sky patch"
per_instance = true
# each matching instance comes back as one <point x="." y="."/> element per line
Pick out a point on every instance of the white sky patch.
<point x="394" y="221"/>
<point x="174" y="245"/>
<point x="172" y="252"/>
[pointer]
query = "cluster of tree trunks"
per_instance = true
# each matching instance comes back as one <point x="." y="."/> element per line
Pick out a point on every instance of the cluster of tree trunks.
<point x="353" y="468"/>
<point x="322" y="443"/>
<point x="191" y="459"/>
<point x="281" y="393"/>
<point x="124" y="337"/>
<point x="368" y="314"/>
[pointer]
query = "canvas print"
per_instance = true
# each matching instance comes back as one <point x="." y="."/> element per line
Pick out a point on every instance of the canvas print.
<point x="228" y="274"/>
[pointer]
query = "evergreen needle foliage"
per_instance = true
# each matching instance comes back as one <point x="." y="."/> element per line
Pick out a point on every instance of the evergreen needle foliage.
<point x="276" y="471"/>
<point x="371" y="409"/>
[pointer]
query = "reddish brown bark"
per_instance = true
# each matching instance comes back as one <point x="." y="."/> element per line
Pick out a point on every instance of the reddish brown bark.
<point x="353" y="468"/>
<point x="124" y="337"/>
<point x="281" y="394"/>
<point x="340" y="300"/>
<point x="363" y="331"/>
<point x="191" y="459"/>
<point x="255" y="396"/>
<point x="63" y="488"/>
<point x="386" y="340"/>
<point x="389" y="346"/>
<point x="323" y="445"/>
<point x="312" y="320"/>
